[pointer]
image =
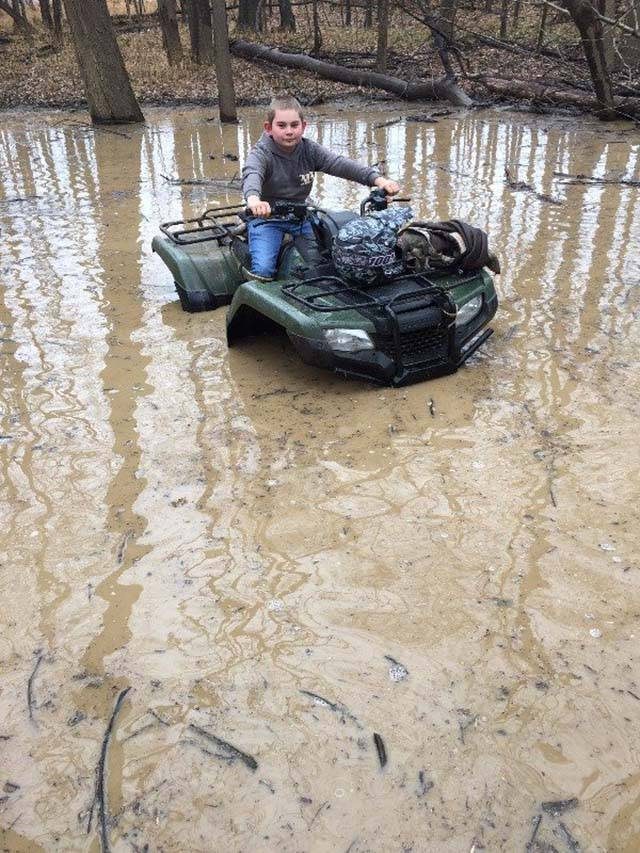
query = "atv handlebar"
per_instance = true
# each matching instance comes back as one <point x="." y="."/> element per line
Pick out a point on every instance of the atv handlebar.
<point x="378" y="199"/>
<point x="296" y="211"/>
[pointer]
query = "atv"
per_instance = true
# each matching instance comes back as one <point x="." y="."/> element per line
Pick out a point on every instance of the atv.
<point x="413" y="327"/>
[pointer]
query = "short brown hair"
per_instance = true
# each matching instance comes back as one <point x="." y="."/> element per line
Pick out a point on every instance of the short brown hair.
<point x="283" y="102"/>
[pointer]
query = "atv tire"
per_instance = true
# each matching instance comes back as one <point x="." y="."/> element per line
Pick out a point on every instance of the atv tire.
<point x="196" y="300"/>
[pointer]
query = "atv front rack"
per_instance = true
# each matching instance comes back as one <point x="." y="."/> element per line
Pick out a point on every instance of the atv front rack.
<point x="220" y="224"/>
<point x="415" y="327"/>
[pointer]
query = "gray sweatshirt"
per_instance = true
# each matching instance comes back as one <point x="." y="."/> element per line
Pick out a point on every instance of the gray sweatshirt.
<point x="273" y="174"/>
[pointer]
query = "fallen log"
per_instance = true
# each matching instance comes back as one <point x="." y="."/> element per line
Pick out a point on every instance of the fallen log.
<point x="628" y="108"/>
<point x="445" y="89"/>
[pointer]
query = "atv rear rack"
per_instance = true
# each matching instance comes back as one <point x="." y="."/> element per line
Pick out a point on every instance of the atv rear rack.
<point x="219" y="224"/>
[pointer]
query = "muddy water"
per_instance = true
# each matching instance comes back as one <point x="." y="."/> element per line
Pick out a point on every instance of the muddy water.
<point x="453" y="566"/>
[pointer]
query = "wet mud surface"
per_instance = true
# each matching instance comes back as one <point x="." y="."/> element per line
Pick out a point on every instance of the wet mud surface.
<point x="280" y="565"/>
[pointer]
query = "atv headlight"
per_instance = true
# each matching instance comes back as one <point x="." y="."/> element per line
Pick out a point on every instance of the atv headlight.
<point x="348" y="340"/>
<point x="469" y="310"/>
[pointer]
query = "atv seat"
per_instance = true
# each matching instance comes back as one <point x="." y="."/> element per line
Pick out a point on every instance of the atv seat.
<point x="326" y="226"/>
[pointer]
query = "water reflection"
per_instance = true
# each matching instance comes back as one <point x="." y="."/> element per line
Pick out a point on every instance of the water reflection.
<point x="223" y="530"/>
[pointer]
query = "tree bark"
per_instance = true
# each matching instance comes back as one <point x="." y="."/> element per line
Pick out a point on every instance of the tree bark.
<point x="448" y="14"/>
<point x="247" y="15"/>
<point x="439" y="90"/>
<point x="590" y="28"/>
<point x="226" y="91"/>
<point x="608" y="9"/>
<point x="106" y="82"/>
<point x="504" y="18"/>
<point x="287" y="18"/>
<point x="542" y="28"/>
<point x="368" y="14"/>
<point x="57" y="23"/>
<point x="45" y="14"/>
<point x="200" y="32"/>
<point x="317" y="35"/>
<point x="383" y="36"/>
<point x="168" y="17"/>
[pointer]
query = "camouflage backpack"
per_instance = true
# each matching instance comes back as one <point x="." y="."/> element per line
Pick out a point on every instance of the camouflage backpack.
<point x="445" y="246"/>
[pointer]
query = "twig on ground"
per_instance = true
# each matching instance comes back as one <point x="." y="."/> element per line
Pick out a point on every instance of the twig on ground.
<point x="100" y="796"/>
<point x="234" y="752"/>
<point x="380" y="749"/>
<point x="337" y="707"/>
<point x="30" y="685"/>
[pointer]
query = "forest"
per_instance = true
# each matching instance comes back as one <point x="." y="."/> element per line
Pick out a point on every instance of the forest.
<point x="571" y="55"/>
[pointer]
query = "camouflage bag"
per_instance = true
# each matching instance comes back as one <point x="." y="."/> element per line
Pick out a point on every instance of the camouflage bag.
<point x="364" y="250"/>
<point x="445" y="246"/>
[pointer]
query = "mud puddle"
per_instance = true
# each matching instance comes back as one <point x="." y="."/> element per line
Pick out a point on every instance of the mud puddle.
<point x="297" y="577"/>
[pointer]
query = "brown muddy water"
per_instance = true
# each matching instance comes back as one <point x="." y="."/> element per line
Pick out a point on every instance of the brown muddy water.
<point x="452" y="566"/>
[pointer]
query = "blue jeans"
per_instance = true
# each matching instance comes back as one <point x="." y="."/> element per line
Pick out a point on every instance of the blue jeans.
<point x="265" y="239"/>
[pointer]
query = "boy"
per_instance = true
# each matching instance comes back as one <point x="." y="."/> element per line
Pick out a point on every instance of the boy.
<point x="281" y="166"/>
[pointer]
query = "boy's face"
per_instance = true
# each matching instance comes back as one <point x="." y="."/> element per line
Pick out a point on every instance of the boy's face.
<point x="286" y="128"/>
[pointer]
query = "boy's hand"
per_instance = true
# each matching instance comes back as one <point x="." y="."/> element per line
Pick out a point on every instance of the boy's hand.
<point x="390" y="187"/>
<point x="257" y="207"/>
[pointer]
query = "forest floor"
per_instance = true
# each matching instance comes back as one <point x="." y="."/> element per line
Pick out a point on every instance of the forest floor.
<point x="35" y="75"/>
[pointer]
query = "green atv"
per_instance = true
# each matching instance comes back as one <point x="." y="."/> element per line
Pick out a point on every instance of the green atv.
<point x="413" y="327"/>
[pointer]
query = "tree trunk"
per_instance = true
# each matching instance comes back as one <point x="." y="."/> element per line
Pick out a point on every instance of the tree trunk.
<point x="439" y="90"/>
<point x="106" y="82"/>
<point x="608" y="9"/>
<point x="287" y="18"/>
<point x="45" y="13"/>
<point x="57" y="23"/>
<point x="247" y="15"/>
<point x="504" y="18"/>
<point x="368" y="14"/>
<point x="168" y="17"/>
<point x="516" y="13"/>
<point x="383" y="36"/>
<point x="200" y="32"/>
<point x="448" y="13"/>
<point x="226" y="92"/>
<point x="542" y="28"/>
<point x="347" y="13"/>
<point x="590" y="28"/>
<point x="317" y="35"/>
<point x="19" y="21"/>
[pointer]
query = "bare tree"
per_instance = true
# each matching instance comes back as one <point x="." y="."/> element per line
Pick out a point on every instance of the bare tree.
<point x="287" y="18"/>
<point x="448" y="10"/>
<point x="200" y="32"/>
<point x="590" y="26"/>
<point x="57" y="23"/>
<point x="504" y="18"/>
<point x="168" y="17"/>
<point x="317" y="35"/>
<point x="542" y="28"/>
<point x="45" y="14"/>
<point x="368" y="14"/>
<point x="226" y="91"/>
<point x="19" y="19"/>
<point x="247" y="15"/>
<point x="383" y="36"/>
<point x="106" y="82"/>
